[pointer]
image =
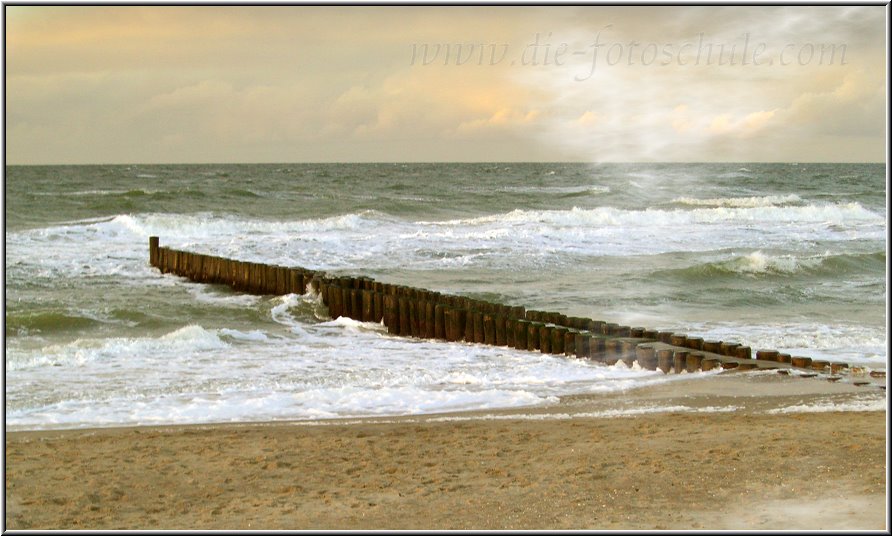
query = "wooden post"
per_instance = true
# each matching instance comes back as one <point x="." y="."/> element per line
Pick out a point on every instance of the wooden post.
<point x="450" y="323"/>
<point x="204" y="263"/>
<point x="298" y="284"/>
<point x="356" y="304"/>
<point x="414" y="313"/>
<point x="628" y="353"/>
<point x="501" y="333"/>
<point x="489" y="329"/>
<point x="533" y="335"/>
<point x="583" y="344"/>
<point x="238" y="276"/>
<point x="377" y="306"/>
<point x="391" y="314"/>
<point x="368" y="306"/>
<point x="597" y="349"/>
<point x="557" y="339"/>
<point x="712" y="346"/>
<point x="235" y="276"/>
<point x="521" y="330"/>
<point x="743" y="352"/>
<point x="679" y="361"/>
<point x="695" y="343"/>
<point x="430" y="317"/>
<point x="678" y="339"/>
<point x="801" y="362"/>
<point x="693" y="361"/>
<point x="335" y="301"/>
<point x="646" y="356"/>
<point x="294" y="277"/>
<point x="664" y="360"/>
<point x="570" y="342"/>
<point x="836" y="368"/>
<point x="469" y="326"/>
<point x="710" y="363"/>
<point x="729" y="349"/>
<point x="461" y="325"/>
<point x="405" y="329"/>
<point x="269" y="279"/>
<point x="440" y="321"/>
<point x="767" y="355"/>
<point x="254" y="272"/>
<point x="820" y="365"/>
<point x="421" y="315"/>
<point x="281" y="280"/>
<point x="545" y="338"/>
<point x="612" y="351"/>
<point x="479" y="336"/>
<point x="346" y="298"/>
<point x="153" y="251"/>
<point x="510" y="331"/>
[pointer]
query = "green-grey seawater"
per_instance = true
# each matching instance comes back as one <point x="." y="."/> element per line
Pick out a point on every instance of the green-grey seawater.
<point x="782" y="256"/>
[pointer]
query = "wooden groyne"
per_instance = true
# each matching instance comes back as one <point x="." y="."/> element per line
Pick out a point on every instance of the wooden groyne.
<point x="414" y="312"/>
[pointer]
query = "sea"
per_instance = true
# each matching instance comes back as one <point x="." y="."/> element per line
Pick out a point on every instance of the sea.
<point x="785" y="256"/>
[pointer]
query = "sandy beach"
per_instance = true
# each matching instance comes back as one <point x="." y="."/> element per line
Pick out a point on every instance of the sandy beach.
<point x="717" y="458"/>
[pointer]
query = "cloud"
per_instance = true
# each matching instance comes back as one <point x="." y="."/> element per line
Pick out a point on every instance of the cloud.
<point x="702" y="107"/>
<point x="856" y="106"/>
<point x="235" y="83"/>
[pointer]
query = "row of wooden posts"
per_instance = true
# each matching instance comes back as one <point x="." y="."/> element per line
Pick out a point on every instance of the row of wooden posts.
<point x="414" y="312"/>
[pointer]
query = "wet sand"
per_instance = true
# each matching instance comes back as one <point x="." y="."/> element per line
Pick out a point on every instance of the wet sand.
<point x="568" y="466"/>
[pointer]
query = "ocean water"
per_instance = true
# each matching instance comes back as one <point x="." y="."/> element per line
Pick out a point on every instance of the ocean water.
<point x="783" y="256"/>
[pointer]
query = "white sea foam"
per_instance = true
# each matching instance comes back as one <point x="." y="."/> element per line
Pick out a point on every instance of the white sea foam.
<point x="847" y="343"/>
<point x="207" y="294"/>
<point x="867" y="404"/>
<point x="337" y="368"/>
<point x="181" y="342"/>
<point x="254" y="335"/>
<point x="354" y="325"/>
<point x="369" y="239"/>
<point x="760" y="213"/>
<point x="758" y="262"/>
<point x="741" y="202"/>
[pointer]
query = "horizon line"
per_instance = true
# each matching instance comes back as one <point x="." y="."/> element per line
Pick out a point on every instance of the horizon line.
<point x="328" y="162"/>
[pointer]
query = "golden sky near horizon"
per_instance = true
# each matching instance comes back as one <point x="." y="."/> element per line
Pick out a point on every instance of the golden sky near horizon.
<point x="165" y="84"/>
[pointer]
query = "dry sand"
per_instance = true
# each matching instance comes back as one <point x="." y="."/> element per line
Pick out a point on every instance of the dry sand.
<point x="540" y="468"/>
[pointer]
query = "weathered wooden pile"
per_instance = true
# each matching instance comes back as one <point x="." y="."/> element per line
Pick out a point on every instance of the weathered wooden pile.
<point x="415" y="312"/>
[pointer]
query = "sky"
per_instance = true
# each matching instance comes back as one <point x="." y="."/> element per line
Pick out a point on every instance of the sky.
<point x="198" y="84"/>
